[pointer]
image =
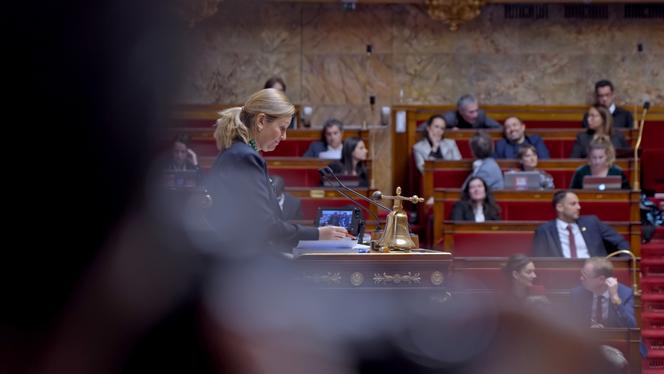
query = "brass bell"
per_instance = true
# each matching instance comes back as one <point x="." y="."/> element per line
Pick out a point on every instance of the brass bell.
<point x="397" y="231"/>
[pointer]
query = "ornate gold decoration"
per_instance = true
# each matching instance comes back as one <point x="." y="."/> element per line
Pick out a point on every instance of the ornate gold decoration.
<point x="356" y="279"/>
<point x="397" y="278"/>
<point x="194" y="11"/>
<point x="397" y="232"/>
<point x="328" y="278"/>
<point x="437" y="278"/>
<point x="454" y="12"/>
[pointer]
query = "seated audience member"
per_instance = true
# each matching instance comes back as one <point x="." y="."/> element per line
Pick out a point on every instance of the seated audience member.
<point x="433" y="145"/>
<point x="353" y="161"/>
<point x="331" y="141"/>
<point x="528" y="159"/>
<point x="574" y="236"/>
<point x="600" y="123"/>
<point x="469" y="115"/>
<point x="289" y="204"/>
<point x="600" y="300"/>
<point x="519" y="271"/>
<point x="279" y="84"/>
<point x="477" y="203"/>
<point x="515" y="137"/>
<point x="601" y="156"/>
<point x="184" y="158"/>
<point x="604" y="96"/>
<point x="485" y="166"/>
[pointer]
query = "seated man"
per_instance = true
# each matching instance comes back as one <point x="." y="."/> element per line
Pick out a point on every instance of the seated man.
<point x="604" y="96"/>
<point x="290" y="205"/>
<point x="600" y="300"/>
<point x="574" y="236"/>
<point x="515" y="137"/>
<point x="468" y="115"/>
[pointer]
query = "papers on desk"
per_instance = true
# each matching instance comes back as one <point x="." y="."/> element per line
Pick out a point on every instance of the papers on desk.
<point x="329" y="246"/>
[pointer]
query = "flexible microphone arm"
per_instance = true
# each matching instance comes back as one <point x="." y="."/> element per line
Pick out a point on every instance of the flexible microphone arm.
<point x="327" y="170"/>
<point x="327" y="178"/>
<point x="636" y="183"/>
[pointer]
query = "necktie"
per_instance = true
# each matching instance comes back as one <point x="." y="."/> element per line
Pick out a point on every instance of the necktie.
<point x="598" y="317"/>
<point x="572" y="243"/>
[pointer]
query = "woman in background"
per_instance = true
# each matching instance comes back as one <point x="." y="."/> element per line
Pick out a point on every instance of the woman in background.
<point x="477" y="203"/>
<point x="528" y="159"/>
<point x="433" y="145"/>
<point x="600" y="123"/>
<point x="601" y="157"/>
<point x="353" y="161"/>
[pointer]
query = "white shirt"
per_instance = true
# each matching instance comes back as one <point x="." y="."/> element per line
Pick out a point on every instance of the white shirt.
<point x="479" y="213"/>
<point x="612" y="108"/>
<point x="281" y="200"/>
<point x="563" y="234"/>
<point x="331" y="153"/>
<point x="605" y="307"/>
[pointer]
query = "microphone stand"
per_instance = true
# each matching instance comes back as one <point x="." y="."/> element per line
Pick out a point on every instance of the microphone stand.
<point x="327" y="170"/>
<point x="636" y="184"/>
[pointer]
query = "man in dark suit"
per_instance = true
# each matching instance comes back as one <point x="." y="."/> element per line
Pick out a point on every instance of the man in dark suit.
<point x="574" y="236"/>
<point x="289" y="204"/>
<point x="469" y="115"/>
<point x="604" y="96"/>
<point x="515" y="137"/>
<point x="600" y="300"/>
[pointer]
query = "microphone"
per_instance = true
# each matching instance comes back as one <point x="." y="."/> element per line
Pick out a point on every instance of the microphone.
<point x="327" y="171"/>
<point x="646" y="102"/>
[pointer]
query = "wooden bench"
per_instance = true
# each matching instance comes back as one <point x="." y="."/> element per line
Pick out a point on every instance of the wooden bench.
<point x="505" y="238"/>
<point x="452" y="174"/>
<point x="296" y="143"/>
<point x="296" y="171"/>
<point x="619" y="205"/>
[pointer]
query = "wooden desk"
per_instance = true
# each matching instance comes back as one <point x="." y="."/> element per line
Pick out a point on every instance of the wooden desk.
<point x="376" y="270"/>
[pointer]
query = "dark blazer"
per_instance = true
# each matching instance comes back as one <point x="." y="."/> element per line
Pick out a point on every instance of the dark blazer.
<point x="464" y="212"/>
<point x="596" y="234"/>
<point x="582" y="171"/>
<point x="245" y="212"/>
<point x="580" y="149"/>
<point x="619" y="315"/>
<point x="621" y="119"/>
<point x="292" y="207"/>
<point x="454" y="119"/>
<point x="315" y="148"/>
<point x="509" y="150"/>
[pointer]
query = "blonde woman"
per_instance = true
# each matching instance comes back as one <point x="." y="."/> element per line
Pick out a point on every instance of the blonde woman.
<point x="245" y="211"/>
<point x="601" y="157"/>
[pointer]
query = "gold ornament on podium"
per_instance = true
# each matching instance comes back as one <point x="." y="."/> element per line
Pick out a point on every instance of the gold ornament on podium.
<point x="396" y="236"/>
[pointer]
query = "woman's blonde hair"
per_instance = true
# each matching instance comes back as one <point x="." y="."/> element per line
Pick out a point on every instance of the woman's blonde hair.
<point x="603" y="142"/>
<point x="237" y="124"/>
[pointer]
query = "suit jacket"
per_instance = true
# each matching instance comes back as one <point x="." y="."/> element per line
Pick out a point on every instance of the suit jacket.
<point x="596" y="234"/>
<point x="580" y="148"/>
<point x="619" y="315"/>
<point x="454" y="119"/>
<point x="489" y="170"/>
<point x="464" y="212"/>
<point x="292" y="207"/>
<point x="422" y="151"/>
<point x="315" y="148"/>
<point x="621" y="119"/>
<point x="245" y="212"/>
<point x="507" y="149"/>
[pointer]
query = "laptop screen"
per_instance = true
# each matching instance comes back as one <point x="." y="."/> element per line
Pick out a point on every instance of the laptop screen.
<point x="349" y="218"/>
<point x="522" y="180"/>
<point x="610" y="182"/>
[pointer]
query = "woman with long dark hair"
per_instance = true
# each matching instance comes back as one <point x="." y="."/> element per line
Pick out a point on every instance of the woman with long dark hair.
<point x="477" y="203"/>
<point x="353" y="161"/>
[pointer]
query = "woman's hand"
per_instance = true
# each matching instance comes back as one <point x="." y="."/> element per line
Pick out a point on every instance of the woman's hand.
<point x="332" y="233"/>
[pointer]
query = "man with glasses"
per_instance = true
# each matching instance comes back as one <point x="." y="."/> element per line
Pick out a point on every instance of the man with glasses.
<point x="600" y="300"/>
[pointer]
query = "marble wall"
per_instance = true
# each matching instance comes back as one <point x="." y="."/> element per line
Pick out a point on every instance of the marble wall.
<point x="320" y="50"/>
